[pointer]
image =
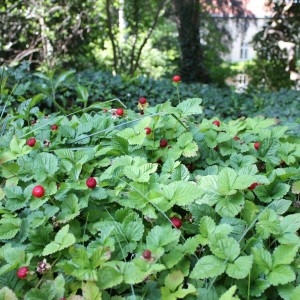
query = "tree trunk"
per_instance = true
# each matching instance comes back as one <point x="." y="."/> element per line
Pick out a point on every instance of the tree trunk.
<point x="188" y="24"/>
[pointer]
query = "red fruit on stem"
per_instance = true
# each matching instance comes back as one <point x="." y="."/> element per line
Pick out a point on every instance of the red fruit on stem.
<point x="142" y="100"/>
<point x="91" y="182"/>
<point x="176" y="222"/>
<point x="256" y="145"/>
<point x="147" y="254"/>
<point x="253" y="186"/>
<point x="31" y="142"/>
<point x="163" y="143"/>
<point x="22" y="272"/>
<point x="148" y="130"/>
<point x="217" y="123"/>
<point x="54" y="127"/>
<point x="38" y="191"/>
<point x="176" y="78"/>
<point x="120" y="112"/>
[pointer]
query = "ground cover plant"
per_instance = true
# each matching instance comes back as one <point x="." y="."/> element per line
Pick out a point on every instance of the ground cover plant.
<point x="154" y="202"/>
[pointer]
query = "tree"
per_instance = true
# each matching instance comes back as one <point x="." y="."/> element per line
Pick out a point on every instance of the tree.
<point x="277" y="44"/>
<point x="192" y="32"/>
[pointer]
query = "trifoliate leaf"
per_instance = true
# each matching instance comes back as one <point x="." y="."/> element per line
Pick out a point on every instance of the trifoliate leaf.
<point x="181" y="192"/>
<point x="240" y="268"/>
<point x="281" y="274"/>
<point x="9" y="227"/>
<point x="284" y="254"/>
<point x="62" y="240"/>
<point x="225" y="248"/>
<point x="207" y="267"/>
<point x="161" y="236"/>
<point x="190" y="106"/>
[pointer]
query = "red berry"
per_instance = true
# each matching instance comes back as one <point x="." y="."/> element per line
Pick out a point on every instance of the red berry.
<point x="148" y="130"/>
<point x="176" y="78"/>
<point x="22" y="272"/>
<point x="217" y="123"/>
<point x="54" y="127"/>
<point x="236" y="138"/>
<point x="176" y="222"/>
<point x="253" y="186"/>
<point x="163" y="143"/>
<point x="31" y="142"/>
<point x="256" y="145"/>
<point x="147" y="254"/>
<point x="120" y="112"/>
<point x="142" y="100"/>
<point x="38" y="191"/>
<point x="91" y="182"/>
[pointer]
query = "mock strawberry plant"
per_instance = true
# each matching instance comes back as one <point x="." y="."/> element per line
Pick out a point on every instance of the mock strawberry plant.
<point x="104" y="208"/>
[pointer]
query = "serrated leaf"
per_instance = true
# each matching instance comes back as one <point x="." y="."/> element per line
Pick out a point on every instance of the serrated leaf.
<point x="69" y="209"/>
<point x="296" y="187"/>
<point x="9" y="227"/>
<point x="284" y="254"/>
<point x="280" y="206"/>
<point x="62" y="240"/>
<point x="207" y="226"/>
<point x="181" y="192"/>
<point x="161" y="236"/>
<point x="290" y="223"/>
<point x="229" y="294"/>
<point x="190" y="106"/>
<point x="45" y="165"/>
<point x="207" y="267"/>
<point x="262" y="259"/>
<point x="240" y="268"/>
<point x="140" y="173"/>
<point x="230" y="206"/>
<point x="281" y="274"/>
<point x="108" y="277"/>
<point x="90" y="291"/>
<point x="227" y="248"/>
<point x="173" y="280"/>
<point x="7" y="294"/>
<point x="273" y="191"/>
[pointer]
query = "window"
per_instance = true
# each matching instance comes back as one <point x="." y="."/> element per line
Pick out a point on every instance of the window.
<point x="244" y="50"/>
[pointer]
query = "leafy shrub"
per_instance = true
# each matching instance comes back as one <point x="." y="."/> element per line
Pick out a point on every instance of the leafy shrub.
<point x="236" y="205"/>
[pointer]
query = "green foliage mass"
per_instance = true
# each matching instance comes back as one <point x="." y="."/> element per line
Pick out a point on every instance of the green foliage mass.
<point x="117" y="240"/>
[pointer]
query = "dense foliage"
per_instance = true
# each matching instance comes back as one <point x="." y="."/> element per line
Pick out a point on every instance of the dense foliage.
<point x="155" y="202"/>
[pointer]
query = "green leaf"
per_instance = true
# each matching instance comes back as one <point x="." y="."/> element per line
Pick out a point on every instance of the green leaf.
<point x="37" y="294"/>
<point x="173" y="280"/>
<point x="181" y="192"/>
<point x="227" y="248"/>
<point x="90" y="291"/>
<point x="230" y="206"/>
<point x="207" y="226"/>
<point x="262" y="260"/>
<point x="140" y="173"/>
<point x="274" y="191"/>
<point x="229" y="294"/>
<point x="9" y="228"/>
<point x="190" y="106"/>
<point x="62" y="240"/>
<point x="280" y="206"/>
<point x="207" y="267"/>
<point x="281" y="274"/>
<point x="284" y="254"/>
<point x="63" y="77"/>
<point x="45" y="165"/>
<point x="109" y="276"/>
<point x="240" y="268"/>
<point x="186" y="144"/>
<point x="296" y="187"/>
<point x="238" y="161"/>
<point x="7" y="294"/>
<point x="290" y="223"/>
<point x="69" y="209"/>
<point x="160" y="236"/>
